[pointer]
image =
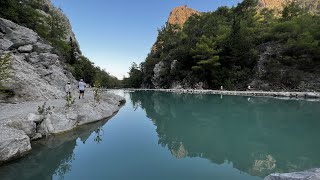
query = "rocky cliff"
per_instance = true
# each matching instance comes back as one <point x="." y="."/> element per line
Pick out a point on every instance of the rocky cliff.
<point x="271" y="4"/>
<point x="38" y="73"/>
<point x="48" y="9"/>
<point x="312" y="6"/>
<point x="180" y="15"/>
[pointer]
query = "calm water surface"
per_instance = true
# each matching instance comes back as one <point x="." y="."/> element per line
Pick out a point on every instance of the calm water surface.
<point x="168" y="136"/>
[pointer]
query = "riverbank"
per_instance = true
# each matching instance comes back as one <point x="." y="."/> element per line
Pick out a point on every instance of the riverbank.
<point x="297" y="95"/>
<point x="21" y="123"/>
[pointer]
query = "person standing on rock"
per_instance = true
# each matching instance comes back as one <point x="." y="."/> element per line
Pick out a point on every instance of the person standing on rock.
<point x="68" y="89"/>
<point x="81" y="88"/>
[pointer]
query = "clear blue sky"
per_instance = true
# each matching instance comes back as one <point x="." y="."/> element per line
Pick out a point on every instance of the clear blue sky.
<point x="115" y="33"/>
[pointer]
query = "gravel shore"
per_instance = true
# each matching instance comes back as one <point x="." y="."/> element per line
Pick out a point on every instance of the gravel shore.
<point x="298" y="95"/>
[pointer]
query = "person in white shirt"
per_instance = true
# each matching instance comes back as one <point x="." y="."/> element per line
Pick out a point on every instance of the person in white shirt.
<point x="68" y="89"/>
<point x="81" y="88"/>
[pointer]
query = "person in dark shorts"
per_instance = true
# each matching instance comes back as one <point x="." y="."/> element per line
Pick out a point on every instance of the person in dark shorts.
<point x="82" y="86"/>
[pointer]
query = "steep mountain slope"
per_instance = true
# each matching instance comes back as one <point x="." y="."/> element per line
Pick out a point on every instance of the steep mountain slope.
<point x="48" y="7"/>
<point x="238" y="47"/>
<point x="38" y="73"/>
<point x="40" y="42"/>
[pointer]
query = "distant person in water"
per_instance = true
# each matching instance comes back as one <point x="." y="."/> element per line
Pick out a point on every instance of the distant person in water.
<point x="81" y="88"/>
<point x="68" y="89"/>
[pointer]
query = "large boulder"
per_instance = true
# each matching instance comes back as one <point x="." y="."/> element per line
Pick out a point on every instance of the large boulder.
<point x="13" y="143"/>
<point x="312" y="174"/>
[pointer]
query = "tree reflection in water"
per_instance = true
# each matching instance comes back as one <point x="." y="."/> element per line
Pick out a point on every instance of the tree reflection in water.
<point x="98" y="135"/>
<point x="259" y="136"/>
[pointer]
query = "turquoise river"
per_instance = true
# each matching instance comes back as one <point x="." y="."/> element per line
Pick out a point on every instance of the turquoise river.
<point x="170" y="136"/>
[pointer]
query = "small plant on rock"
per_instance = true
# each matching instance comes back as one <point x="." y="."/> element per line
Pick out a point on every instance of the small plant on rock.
<point x="97" y="92"/>
<point x="44" y="110"/>
<point x="69" y="101"/>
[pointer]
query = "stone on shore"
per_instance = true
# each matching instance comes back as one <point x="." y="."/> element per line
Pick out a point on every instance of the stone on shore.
<point x="312" y="174"/>
<point x="25" y="49"/>
<point x="13" y="144"/>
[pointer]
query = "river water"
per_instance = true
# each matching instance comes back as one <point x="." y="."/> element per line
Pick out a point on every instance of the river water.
<point x="158" y="135"/>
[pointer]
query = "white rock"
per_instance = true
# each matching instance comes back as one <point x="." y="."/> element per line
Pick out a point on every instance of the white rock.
<point x="25" y="49"/>
<point x="312" y="174"/>
<point x="5" y="44"/>
<point x="34" y="117"/>
<point x="18" y="35"/>
<point x="13" y="144"/>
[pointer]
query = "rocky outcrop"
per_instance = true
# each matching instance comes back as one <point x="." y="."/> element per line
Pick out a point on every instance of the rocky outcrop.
<point x="272" y="4"/>
<point x="158" y="68"/>
<point x="61" y="120"/>
<point x="313" y="6"/>
<point x="13" y="143"/>
<point x="312" y="174"/>
<point x="18" y="128"/>
<point x="180" y="15"/>
<point x="38" y="73"/>
<point x="48" y="9"/>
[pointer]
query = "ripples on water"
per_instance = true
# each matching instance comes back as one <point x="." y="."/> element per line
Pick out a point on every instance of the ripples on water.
<point x="159" y="135"/>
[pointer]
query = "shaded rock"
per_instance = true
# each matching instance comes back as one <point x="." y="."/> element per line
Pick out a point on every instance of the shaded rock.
<point x="18" y="35"/>
<point x="312" y="95"/>
<point x="312" y="174"/>
<point x="34" y="118"/>
<point x="13" y="144"/>
<point x="25" y="49"/>
<point x="56" y="123"/>
<point x="36" y="136"/>
<point x="28" y="127"/>
<point x="5" y="44"/>
<point x="38" y="75"/>
<point x="41" y="47"/>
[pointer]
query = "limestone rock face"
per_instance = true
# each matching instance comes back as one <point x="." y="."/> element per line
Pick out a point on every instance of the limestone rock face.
<point x="49" y="7"/>
<point x="17" y="35"/>
<point x="312" y="174"/>
<point x="313" y="6"/>
<point x="21" y="125"/>
<point x="13" y="143"/>
<point x="38" y="74"/>
<point x="180" y="15"/>
<point x="271" y="3"/>
<point x="157" y="74"/>
<point x="62" y="120"/>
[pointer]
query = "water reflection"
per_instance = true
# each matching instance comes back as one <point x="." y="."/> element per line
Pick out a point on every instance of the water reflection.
<point x="258" y="135"/>
<point x="52" y="156"/>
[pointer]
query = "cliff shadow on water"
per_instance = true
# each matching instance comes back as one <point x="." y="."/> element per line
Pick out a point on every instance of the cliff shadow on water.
<point x="258" y="136"/>
<point x="52" y="156"/>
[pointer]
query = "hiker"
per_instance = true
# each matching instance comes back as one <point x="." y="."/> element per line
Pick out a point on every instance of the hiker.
<point x="81" y="88"/>
<point x="68" y="89"/>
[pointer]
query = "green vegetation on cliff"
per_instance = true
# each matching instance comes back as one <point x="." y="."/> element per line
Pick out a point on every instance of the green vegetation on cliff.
<point x="50" y="26"/>
<point x="227" y="48"/>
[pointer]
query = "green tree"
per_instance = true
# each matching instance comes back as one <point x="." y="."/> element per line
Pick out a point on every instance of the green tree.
<point x="135" y="77"/>
<point x="291" y="9"/>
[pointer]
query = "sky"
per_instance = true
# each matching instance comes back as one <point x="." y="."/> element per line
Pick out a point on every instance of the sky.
<point x="115" y="33"/>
